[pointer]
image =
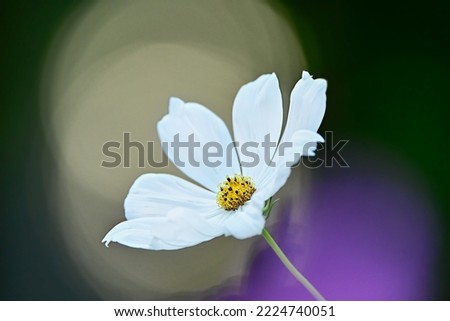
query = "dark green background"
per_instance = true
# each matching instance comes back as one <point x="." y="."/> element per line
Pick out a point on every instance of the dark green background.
<point x="388" y="67"/>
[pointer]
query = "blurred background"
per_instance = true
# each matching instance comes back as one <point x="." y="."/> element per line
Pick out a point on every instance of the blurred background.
<point x="77" y="74"/>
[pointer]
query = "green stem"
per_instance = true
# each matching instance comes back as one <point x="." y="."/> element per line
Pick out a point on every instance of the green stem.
<point x="291" y="267"/>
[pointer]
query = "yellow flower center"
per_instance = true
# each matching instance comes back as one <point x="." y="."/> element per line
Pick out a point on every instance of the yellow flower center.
<point x="234" y="192"/>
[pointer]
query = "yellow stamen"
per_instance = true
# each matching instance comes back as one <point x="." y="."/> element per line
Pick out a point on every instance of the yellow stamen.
<point x="234" y="192"/>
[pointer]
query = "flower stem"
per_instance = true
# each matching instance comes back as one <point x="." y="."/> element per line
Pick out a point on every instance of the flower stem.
<point x="291" y="267"/>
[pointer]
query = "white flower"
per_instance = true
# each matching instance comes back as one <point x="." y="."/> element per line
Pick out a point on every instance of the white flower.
<point x="165" y="212"/>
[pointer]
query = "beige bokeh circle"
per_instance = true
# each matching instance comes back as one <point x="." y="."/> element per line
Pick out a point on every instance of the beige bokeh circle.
<point x="111" y="71"/>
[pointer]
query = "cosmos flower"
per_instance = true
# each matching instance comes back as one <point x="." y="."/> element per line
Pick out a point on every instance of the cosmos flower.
<point x="166" y="212"/>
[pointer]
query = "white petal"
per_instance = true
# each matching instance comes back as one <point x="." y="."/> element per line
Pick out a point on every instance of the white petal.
<point x="303" y="143"/>
<point x="248" y="220"/>
<point x="273" y="180"/>
<point x="307" y="105"/>
<point x="257" y="112"/>
<point x="307" y="108"/>
<point x="179" y="229"/>
<point x="205" y="128"/>
<point x="157" y="194"/>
